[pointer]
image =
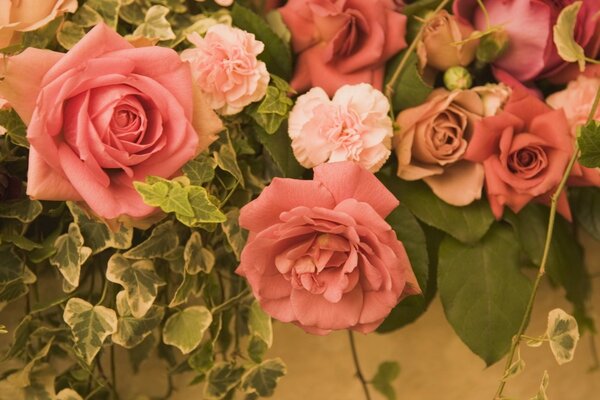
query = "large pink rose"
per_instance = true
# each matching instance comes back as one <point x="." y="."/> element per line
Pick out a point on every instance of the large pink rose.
<point x="320" y="253"/>
<point x="531" y="51"/>
<point x="525" y="150"/>
<point x="104" y="115"/>
<point x="342" y="41"/>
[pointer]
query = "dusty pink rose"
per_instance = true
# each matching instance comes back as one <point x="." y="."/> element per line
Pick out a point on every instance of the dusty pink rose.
<point x="531" y="52"/>
<point x="17" y="16"/>
<point x="525" y="150"/>
<point x="576" y="101"/>
<point x="104" y="115"/>
<point x="226" y="69"/>
<point x="342" y="41"/>
<point x="353" y="126"/>
<point x="320" y="253"/>
<point x="440" y="46"/>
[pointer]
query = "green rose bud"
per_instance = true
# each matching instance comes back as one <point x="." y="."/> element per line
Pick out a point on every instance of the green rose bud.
<point x="457" y="78"/>
<point x="492" y="46"/>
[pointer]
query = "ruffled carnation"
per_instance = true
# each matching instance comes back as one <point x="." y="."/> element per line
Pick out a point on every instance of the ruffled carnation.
<point x="225" y="67"/>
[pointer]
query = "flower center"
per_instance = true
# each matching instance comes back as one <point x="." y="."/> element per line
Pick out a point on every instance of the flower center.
<point x="346" y="133"/>
<point x="528" y="161"/>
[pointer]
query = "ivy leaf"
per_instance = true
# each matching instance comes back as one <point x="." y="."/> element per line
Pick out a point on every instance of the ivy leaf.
<point x="96" y="234"/>
<point x="274" y="108"/>
<point x="563" y="335"/>
<point x="21" y="337"/>
<point x="386" y="373"/>
<point x="200" y="170"/>
<point x="191" y="284"/>
<point x="196" y="257"/>
<point x="227" y="160"/>
<point x="411" y="89"/>
<point x="90" y="325"/>
<point x="585" y="204"/>
<point x="155" y="25"/>
<point x="262" y="379"/>
<point x="257" y="348"/>
<point x="70" y="255"/>
<point x="23" y="210"/>
<point x="564" y="36"/>
<point x="162" y="241"/>
<point x="589" y="143"/>
<point x="185" y="328"/>
<point x="541" y="395"/>
<point x="277" y="55"/>
<point x="107" y="9"/>
<point x="203" y="359"/>
<point x="133" y="12"/>
<point x="86" y="16"/>
<point x="236" y="237"/>
<point x="467" y="224"/>
<point x="69" y="34"/>
<point x="15" y="127"/>
<point x="68" y="394"/>
<point x="279" y="147"/>
<point x="139" y="279"/>
<point x="221" y="379"/>
<point x="483" y="292"/>
<point x="141" y="352"/>
<point x="131" y="331"/>
<point x="515" y="369"/>
<point x="259" y="324"/>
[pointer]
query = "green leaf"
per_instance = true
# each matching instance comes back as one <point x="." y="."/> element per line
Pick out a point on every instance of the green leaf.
<point x="589" y="143"/>
<point x="153" y="194"/>
<point x="108" y="10"/>
<point x="279" y="147"/>
<point x="483" y="292"/>
<point x="259" y="324"/>
<point x="585" y="204"/>
<point x="90" y="325"/>
<point x="86" y="16"/>
<point x="162" y="241"/>
<point x="191" y="284"/>
<point x="387" y="372"/>
<point x="277" y="55"/>
<point x="196" y="257"/>
<point x="203" y="359"/>
<point x="262" y="379"/>
<point x="69" y="34"/>
<point x="21" y="337"/>
<point x="200" y="170"/>
<point x="563" y="335"/>
<point x="185" y="328"/>
<point x="275" y="21"/>
<point x="14" y="276"/>
<point x="221" y="379"/>
<point x="274" y="108"/>
<point x="467" y="224"/>
<point x="131" y="331"/>
<point x="227" y="160"/>
<point x="205" y="211"/>
<point x="24" y="210"/>
<point x="70" y="255"/>
<point x="96" y="234"/>
<point x="564" y="35"/>
<point x="236" y="237"/>
<point x="133" y="12"/>
<point x="257" y="348"/>
<point x="139" y="279"/>
<point x="15" y="128"/>
<point x="155" y="25"/>
<point x="515" y="369"/>
<point x="410" y="89"/>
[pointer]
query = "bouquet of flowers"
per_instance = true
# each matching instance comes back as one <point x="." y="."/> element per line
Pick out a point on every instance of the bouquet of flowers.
<point x="176" y="174"/>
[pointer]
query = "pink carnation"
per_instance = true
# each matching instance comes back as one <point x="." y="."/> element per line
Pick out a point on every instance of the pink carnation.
<point x="353" y="126"/>
<point x="320" y="253"/>
<point x="225" y="67"/>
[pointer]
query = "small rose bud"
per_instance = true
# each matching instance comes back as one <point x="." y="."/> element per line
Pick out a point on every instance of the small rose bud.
<point x="457" y="78"/>
<point x="492" y="46"/>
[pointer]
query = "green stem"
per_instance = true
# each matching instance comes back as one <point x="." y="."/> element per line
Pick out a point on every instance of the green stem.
<point x="542" y="270"/>
<point x="104" y="292"/>
<point x="226" y="304"/>
<point x="359" y="374"/>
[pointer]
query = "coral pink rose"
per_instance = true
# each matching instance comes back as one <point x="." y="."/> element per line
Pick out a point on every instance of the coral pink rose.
<point x="531" y="51"/>
<point x="103" y="115"/>
<point x="432" y="141"/>
<point x="225" y="67"/>
<point x="17" y="16"/>
<point x="320" y="253"/>
<point x="525" y="150"/>
<point x="342" y="41"/>
<point x="353" y="126"/>
<point x="576" y="101"/>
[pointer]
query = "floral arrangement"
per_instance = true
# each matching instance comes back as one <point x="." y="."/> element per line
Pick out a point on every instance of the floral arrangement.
<point x="176" y="174"/>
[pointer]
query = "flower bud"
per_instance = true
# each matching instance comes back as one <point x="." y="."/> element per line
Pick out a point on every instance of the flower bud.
<point x="457" y="78"/>
<point x="492" y="46"/>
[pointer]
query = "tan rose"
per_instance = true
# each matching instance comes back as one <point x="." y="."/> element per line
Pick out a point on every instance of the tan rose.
<point x="439" y="46"/>
<point x="432" y="140"/>
<point x="18" y="16"/>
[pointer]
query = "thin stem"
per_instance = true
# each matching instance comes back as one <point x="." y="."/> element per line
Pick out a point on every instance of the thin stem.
<point x="542" y="270"/>
<point x="113" y="369"/>
<point x="229" y="302"/>
<point x="359" y="374"/>
<point x="104" y="292"/>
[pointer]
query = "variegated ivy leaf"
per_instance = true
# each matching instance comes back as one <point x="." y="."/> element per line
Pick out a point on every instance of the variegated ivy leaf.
<point x="226" y="159"/>
<point x="259" y="324"/>
<point x="68" y="394"/>
<point x="15" y="129"/>
<point x="185" y="328"/>
<point x="275" y="106"/>
<point x="541" y="395"/>
<point x="138" y="278"/>
<point x="515" y="369"/>
<point x="70" y="255"/>
<point x="202" y="359"/>
<point x="196" y="257"/>
<point x="564" y="35"/>
<point x="131" y="331"/>
<point x="24" y="210"/>
<point x="69" y="34"/>
<point x="97" y="235"/>
<point x="589" y="143"/>
<point x="155" y="25"/>
<point x="236" y="237"/>
<point x="90" y="325"/>
<point x="262" y="379"/>
<point x="221" y="379"/>
<point x="107" y="9"/>
<point x="563" y="335"/>
<point x="86" y="16"/>
<point x="200" y="170"/>
<point x="190" y="285"/>
<point x="162" y="241"/>
<point x="40" y="386"/>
